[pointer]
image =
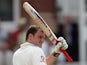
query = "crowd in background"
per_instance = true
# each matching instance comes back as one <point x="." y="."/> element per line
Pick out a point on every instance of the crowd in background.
<point x="5" y="53"/>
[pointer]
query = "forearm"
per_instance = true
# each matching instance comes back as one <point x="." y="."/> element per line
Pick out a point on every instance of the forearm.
<point x="62" y="44"/>
<point x="52" y="58"/>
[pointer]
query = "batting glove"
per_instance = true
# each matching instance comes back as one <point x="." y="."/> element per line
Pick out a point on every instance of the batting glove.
<point x="61" y="44"/>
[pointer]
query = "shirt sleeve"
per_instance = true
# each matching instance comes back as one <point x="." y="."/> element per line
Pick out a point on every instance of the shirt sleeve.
<point x="38" y="57"/>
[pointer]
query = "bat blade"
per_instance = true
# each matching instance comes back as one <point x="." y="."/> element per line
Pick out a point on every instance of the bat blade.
<point x="39" y="20"/>
<point x="43" y="25"/>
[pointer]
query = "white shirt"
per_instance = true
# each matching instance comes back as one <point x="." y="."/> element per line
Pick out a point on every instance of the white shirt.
<point x="28" y="54"/>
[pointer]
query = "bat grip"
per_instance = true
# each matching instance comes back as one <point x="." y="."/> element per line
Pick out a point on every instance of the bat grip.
<point x="66" y="55"/>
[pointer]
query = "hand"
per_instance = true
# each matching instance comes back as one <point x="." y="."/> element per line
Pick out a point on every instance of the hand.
<point x="61" y="44"/>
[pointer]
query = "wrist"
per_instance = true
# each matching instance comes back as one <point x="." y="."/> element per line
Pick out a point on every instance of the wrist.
<point x="55" y="54"/>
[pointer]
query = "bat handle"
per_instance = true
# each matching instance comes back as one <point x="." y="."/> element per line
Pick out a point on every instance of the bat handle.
<point x="66" y="55"/>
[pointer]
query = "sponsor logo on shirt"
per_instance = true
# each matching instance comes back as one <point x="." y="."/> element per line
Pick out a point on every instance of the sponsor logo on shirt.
<point x="42" y="59"/>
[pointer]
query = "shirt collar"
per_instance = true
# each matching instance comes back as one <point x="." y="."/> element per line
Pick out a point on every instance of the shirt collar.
<point x="26" y="44"/>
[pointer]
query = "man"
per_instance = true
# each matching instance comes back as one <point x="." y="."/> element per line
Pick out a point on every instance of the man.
<point x="30" y="52"/>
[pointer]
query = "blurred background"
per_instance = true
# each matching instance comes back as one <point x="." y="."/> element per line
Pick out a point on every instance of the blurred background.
<point x="67" y="18"/>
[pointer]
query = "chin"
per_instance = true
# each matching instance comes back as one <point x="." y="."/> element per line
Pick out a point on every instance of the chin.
<point x="40" y="45"/>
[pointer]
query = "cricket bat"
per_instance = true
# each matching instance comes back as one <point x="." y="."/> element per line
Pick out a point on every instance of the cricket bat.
<point x="43" y="25"/>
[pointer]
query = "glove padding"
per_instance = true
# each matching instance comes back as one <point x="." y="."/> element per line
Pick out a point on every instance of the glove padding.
<point x="61" y="44"/>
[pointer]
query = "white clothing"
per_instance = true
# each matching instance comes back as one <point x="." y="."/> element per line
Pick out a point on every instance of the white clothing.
<point x="29" y="54"/>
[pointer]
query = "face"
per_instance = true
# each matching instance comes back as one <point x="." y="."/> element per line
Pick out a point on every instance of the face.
<point x="38" y="38"/>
